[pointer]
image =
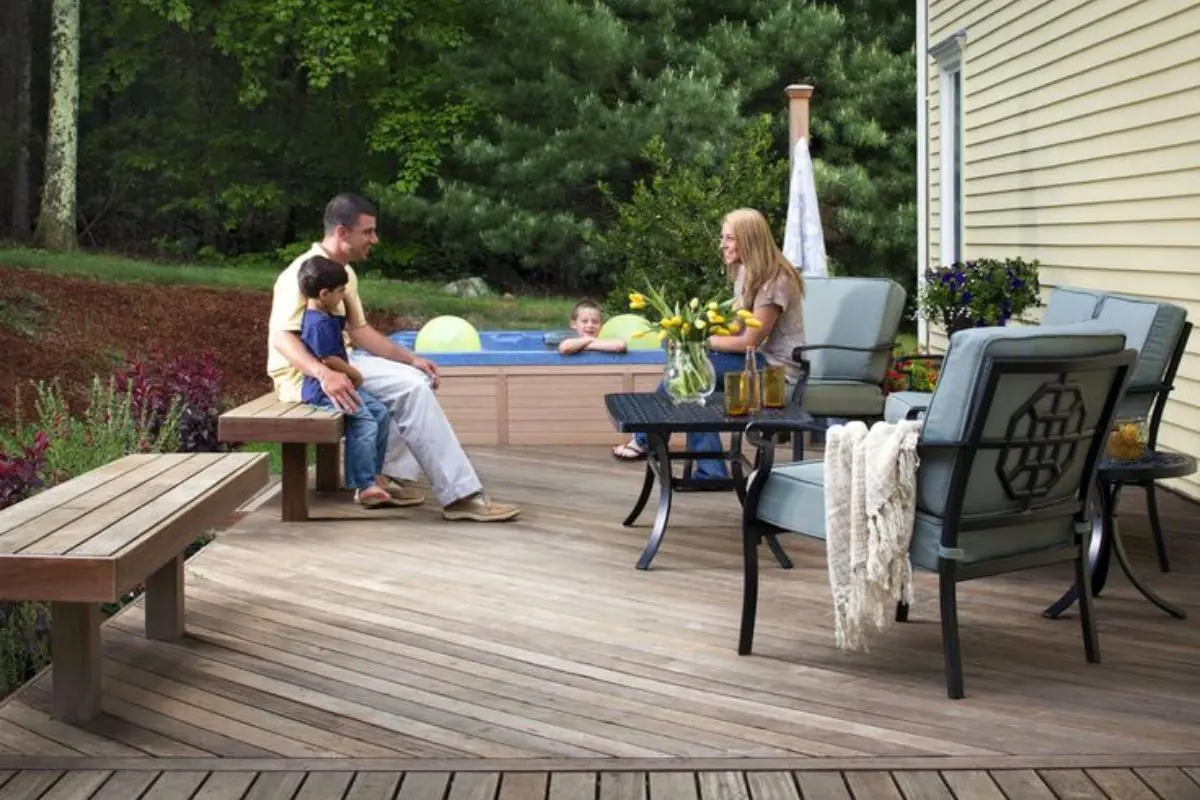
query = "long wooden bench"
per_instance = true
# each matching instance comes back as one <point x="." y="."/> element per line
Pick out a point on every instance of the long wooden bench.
<point x="92" y="539"/>
<point x="294" y="426"/>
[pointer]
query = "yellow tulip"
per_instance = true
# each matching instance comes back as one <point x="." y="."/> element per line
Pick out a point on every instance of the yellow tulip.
<point x="662" y="335"/>
<point x="695" y="303"/>
<point x="713" y="306"/>
<point x="637" y="306"/>
<point x="676" y="320"/>
<point x="635" y="297"/>
<point x="753" y="322"/>
<point x="686" y="329"/>
<point x="744" y="314"/>
<point x="699" y="323"/>
<point x="714" y="317"/>
<point x="720" y="330"/>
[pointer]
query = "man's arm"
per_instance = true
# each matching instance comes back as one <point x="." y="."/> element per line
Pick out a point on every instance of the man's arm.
<point x="339" y="364"/>
<point x="377" y="344"/>
<point x="338" y="387"/>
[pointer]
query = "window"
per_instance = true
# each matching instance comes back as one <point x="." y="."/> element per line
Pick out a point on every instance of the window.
<point x="949" y="56"/>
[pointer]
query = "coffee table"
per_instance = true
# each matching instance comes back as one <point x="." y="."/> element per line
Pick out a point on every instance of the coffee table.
<point x="658" y="418"/>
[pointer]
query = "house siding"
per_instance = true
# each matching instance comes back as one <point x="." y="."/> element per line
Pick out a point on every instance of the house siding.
<point x="1081" y="139"/>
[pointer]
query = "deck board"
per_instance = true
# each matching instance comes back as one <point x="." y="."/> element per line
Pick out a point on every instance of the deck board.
<point x="395" y="639"/>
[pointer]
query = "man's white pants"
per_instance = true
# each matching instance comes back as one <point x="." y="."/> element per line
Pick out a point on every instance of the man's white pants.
<point x="421" y="439"/>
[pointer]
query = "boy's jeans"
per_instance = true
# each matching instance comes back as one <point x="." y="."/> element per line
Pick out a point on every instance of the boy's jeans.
<point x="366" y="440"/>
<point x="708" y="468"/>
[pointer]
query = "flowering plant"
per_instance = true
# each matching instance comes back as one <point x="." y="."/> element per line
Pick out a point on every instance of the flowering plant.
<point x="693" y="321"/>
<point x="980" y="293"/>
<point x="685" y="327"/>
<point x="912" y="373"/>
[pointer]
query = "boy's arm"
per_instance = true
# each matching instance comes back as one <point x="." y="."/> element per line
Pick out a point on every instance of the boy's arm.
<point x="339" y="364"/>
<point x="574" y="345"/>
<point x="607" y="345"/>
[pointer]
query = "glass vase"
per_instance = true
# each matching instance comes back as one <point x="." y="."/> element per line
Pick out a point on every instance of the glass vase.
<point x="690" y="375"/>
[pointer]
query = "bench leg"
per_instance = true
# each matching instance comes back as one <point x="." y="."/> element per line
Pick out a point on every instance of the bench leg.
<point x="164" y="602"/>
<point x="75" y="648"/>
<point x="295" y="482"/>
<point x="329" y="473"/>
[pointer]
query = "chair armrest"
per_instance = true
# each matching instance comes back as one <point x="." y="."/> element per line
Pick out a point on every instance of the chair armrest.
<point x="798" y="352"/>
<point x="921" y="357"/>
<point x="759" y="431"/>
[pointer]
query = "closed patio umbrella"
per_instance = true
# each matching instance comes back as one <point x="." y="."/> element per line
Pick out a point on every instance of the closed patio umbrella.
<point x="803" y="239"/>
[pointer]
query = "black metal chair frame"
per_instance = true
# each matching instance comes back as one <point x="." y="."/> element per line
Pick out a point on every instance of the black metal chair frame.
<point x="799" y="355"/>
<point x="1162" y="393"/>
<point x="1030" y="453"/>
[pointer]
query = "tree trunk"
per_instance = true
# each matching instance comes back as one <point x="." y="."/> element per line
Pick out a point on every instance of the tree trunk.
<point x="24" y="121"/>
<point x="56" y="222"/>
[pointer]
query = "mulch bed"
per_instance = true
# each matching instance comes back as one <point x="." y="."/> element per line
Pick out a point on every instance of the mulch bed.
<point x="76" y="329"/>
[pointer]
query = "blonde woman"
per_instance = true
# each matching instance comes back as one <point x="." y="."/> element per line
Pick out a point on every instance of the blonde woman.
<point x="767" y="284"/>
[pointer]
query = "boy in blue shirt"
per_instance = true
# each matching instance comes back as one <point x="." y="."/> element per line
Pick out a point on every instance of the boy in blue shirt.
<point x="323" y="284"/>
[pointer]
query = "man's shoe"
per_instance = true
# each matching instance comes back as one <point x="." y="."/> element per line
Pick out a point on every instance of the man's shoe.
<point x="403" y="494"/>
<point x="478" y="508"/>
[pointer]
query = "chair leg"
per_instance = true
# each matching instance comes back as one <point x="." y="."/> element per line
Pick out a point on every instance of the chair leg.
<point x="1087" y="619"/>
<point x="781" y="556"/>
<point x="902" y="611"/>
<point x="947" y="590"/>
<point x="750" y="538"/>
<point x="1164" y="565"/>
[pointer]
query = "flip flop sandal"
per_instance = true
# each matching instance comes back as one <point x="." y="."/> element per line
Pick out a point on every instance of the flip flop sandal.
<point x="619" y="453"/>
<point x="378" y="502"/>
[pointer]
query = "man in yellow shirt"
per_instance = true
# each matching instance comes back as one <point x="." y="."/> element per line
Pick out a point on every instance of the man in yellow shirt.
<point x="421" y="438"/>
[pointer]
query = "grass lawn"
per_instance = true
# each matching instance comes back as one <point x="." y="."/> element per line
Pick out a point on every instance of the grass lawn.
<point x="407" y="298"/>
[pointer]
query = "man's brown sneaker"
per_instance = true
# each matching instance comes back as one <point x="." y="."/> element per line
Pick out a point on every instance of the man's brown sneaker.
<point x="403" y="494"/>
<point x="478" y="508"/>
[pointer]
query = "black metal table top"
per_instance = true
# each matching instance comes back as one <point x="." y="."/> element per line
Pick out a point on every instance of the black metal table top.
<point x="650" y="412"/>
<point x="1153" y="465"/>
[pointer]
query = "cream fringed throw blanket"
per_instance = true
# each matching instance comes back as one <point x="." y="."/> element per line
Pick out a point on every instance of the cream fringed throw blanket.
<point x="870" y="502"/>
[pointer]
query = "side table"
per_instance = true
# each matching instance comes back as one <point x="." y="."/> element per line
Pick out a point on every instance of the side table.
<point x="1110" y="476"/>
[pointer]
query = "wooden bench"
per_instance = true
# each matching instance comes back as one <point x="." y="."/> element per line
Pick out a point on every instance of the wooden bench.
<point x="92" y="539"/>
<point x="294" y="426"/>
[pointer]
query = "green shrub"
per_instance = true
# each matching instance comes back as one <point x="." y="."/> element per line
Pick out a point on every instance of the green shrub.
<point x="667" y="234"/>
<point x="107" y="429"/>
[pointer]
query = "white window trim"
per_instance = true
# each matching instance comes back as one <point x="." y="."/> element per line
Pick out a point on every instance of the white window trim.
<point x="950" y="54"/>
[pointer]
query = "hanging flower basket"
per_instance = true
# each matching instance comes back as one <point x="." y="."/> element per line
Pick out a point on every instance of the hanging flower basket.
<point x="982" y="293"/>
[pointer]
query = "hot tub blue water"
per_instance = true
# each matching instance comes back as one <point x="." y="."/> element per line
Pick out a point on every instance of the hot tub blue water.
<point x="528" y="348"/>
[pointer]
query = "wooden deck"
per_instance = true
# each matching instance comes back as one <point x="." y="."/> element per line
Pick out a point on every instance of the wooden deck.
<point x="103" y="784"/>
<point x="392" y="642"/>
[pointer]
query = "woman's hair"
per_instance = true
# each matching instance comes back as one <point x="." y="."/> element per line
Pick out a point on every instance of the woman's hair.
<point x="761" y="260"/>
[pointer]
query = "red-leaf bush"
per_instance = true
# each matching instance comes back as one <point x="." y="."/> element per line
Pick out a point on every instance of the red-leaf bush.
<point x="153" y="382"/>
<point x="21" y="474"/>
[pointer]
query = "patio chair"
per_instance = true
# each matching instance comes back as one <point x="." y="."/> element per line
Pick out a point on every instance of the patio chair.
<point x="850" y="327"/>
<point x="1158" y="331"/>
<point x="1007" y="452"/>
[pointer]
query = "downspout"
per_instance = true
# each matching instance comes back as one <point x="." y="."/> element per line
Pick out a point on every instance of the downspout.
<point x="922" y="158"/>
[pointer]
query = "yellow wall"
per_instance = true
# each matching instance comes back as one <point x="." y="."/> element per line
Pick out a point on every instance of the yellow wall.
<point x="1082" y="150"/>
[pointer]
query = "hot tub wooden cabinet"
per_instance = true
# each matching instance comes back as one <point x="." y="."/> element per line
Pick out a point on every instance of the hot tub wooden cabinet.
<point x="520" y="391"/>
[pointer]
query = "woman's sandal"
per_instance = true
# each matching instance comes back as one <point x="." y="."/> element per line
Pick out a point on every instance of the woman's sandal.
<point x="628" y="452"/>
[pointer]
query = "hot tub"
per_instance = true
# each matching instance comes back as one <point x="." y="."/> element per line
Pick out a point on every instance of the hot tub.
<point x="518" y="390"/>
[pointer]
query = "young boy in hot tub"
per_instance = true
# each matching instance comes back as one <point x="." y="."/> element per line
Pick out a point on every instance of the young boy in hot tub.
<point x="586" y="321"/>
